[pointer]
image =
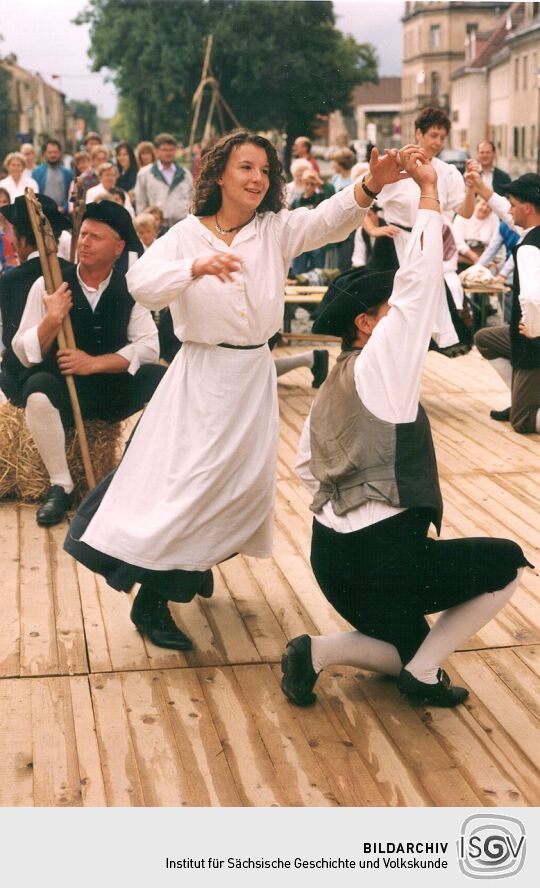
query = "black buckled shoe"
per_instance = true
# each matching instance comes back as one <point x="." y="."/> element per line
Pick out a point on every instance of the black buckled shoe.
<point x="441" y="694"/>
<point x="299" y="677"/>
<point x="53" y="509"/>
<point x="206" y="589"/>
<point x="159" y="627"/>
<point x="320" y="367"/>
<point x="500" y="415"/>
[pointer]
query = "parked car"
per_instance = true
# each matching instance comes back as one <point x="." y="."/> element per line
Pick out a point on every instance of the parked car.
<point x="455" y="156"/>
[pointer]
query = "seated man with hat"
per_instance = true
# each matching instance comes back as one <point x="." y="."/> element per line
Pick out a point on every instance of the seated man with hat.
<point x="15" y="285"/>
<point x="366" y="454"/>
<point x="115" y="362"/>
<point x="514" y="351"/>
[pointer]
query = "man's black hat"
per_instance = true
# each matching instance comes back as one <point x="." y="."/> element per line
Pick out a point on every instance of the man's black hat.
<point x="354" y="296"/>
<point x="17" y="214"/>
<point x="117" y="218"/>
<point x="526" y="188"/>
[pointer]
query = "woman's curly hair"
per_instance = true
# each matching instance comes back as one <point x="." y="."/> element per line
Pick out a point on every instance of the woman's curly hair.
<point x="207" y="192"/>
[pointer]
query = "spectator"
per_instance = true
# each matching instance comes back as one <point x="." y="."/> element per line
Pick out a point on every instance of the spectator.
<point x="165" y="183"/>
<point x="107" y="175"/>
<point x="343" y="160"/>
<point x="29" y="153"/>
<point x="302" y="149"/>
<point x="157" y="213"/>
<point x="294" y="189"/>
<point x="145" y="154"/>
<point x="91" y="140"/>
<point x="52" y="178"/>
<point x="146" y="228"/>
<point x="311" y="197"/>
<point x="491" y="175"/>
<point x="127" y="166"/>
<point x="8" y="253"/>
<point x="81" y="162"/>
<point x="98" y="155"/>
<point x="472" y="235"/>
<point x="17" y="176"/>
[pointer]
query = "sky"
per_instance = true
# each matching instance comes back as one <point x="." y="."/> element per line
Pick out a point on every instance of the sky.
<point x="44" y="39"/>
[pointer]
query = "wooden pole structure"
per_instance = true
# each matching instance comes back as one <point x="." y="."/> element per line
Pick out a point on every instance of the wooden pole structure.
<point x="197" y="98"/>
<point x="52" y="276"/>
<point x="217" y="102"/>
<point x="78" y="198"/>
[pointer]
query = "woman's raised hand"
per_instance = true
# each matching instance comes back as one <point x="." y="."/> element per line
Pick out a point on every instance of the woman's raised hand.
<point x="221" y="265"/>
<point x="394" y="165"/>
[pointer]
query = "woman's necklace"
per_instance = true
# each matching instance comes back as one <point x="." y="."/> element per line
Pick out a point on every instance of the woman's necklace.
<point x="221" y="230"/>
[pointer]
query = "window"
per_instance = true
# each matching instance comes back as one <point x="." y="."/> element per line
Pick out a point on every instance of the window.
<point x="524" y="79"/>
<point x="516" y="74"/>
<point x="435" y="85"/>
<point x="523" y="141"/>
<point x="471" y="30"/>
<point x="533" y="141"/>
<point x="435" y="37"/>
<point x="516" y="142"/>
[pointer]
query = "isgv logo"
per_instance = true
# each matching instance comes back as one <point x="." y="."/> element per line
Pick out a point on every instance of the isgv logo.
<point x="491" y="846"/>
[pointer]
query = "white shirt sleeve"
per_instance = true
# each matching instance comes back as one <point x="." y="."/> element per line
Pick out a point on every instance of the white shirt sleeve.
<point x="389" y="369"/>
<point x="160" y="275"/>
<point x="459" y="230"/>
<point x="501" y="205"/>
<point x="331" y="221"/>
<point x="303" y="459"/>
<point x="143" y="340"/>
<point x="25" y="343"/>
<point x="528" y="266"/>
<point x="492" y="249"/>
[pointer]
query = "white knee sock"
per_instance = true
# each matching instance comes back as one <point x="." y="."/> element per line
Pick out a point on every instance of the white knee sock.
<point x="354" y="649"/>
<point x="291" y="362"/>
<point x="454" y="626"/>
<point x="538" y="421"/>
<point x="46" y="428"/>
<point x="504" y="369"/>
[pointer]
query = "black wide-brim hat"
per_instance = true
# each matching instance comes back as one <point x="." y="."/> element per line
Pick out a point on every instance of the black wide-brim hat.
<point x="526" y="188"/>
<point x="352" y="294"/>
<point x="17" y="214"/>
<point x="117" y="218"/>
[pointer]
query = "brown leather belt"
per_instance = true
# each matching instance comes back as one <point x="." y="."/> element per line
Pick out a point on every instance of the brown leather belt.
<point x="228" y="345"/>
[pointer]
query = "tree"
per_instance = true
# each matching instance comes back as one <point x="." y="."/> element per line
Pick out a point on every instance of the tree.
<point x="85" y="110"/>
<point x="279" y="64"/>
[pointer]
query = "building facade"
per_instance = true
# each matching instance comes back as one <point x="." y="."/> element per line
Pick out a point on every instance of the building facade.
<point x="38" y="111"/>
<point x="375" y="116"/>
<point x="437" y="39"/>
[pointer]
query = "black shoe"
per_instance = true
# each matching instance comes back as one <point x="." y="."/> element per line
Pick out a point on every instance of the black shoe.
<point x="456" y="350"/>
<point x="206" y="589"/>
<point x="54" y="508"/>
<point x="440" y="694"/>
<point x="500" y="415"/>
<point x="299" y="677"/>
<point x="320" y="367"/>
<point x="159" y="627"/>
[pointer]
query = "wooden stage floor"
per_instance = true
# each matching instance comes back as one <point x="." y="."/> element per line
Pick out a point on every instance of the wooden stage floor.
<point x="91" y="715"/>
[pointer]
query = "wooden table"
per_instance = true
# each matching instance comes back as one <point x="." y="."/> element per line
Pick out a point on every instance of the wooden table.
<point x="299" y="295"/>
<point x="485" y="290"/>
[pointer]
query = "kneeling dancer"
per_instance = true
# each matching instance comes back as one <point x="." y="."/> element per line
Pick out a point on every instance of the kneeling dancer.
<point x="367" y="455"/>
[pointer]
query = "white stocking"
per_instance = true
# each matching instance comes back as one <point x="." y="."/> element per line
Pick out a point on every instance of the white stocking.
<point x="504" y="369"/>
<point x="454" y="626"/>
<point x="354" y="649"/>
<point x="46" y="428"/>
<point x="291" y="362"/>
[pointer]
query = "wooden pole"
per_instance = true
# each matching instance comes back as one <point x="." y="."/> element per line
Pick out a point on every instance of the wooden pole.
<point x="78" y="199"/>
<point x="198" y="96"/>
<point x="52" y="276"/>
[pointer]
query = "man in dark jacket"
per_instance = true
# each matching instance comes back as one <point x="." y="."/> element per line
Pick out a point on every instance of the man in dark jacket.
<point x="491" y="175"/>
<point x="16" y="284"/>
<point x="52" y="178"/>
<point x="114" y="363"/>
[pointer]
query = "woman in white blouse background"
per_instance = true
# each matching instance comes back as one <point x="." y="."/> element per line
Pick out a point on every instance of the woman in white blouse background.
<point x="18" y="177"/>
<point x="196" y="485"/>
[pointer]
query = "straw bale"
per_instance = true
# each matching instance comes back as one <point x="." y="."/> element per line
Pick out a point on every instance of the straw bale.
<point x="22" y="473"/>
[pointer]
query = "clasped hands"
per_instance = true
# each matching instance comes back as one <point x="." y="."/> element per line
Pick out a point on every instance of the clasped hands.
<point x="394" y="165"/>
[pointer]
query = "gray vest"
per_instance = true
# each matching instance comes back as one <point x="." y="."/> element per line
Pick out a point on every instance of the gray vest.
<point x="357" y="457"/>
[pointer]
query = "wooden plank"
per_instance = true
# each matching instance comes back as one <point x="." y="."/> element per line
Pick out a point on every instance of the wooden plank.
<point x="56" y="766"/>
<point x="9" y="591"/>
<point x="406" y="761"/>
<point x="253" y="771"/>
<point x="94" y="625"/>
<point x="257" y="616"/>
<point x="198" y="745"/>
<point x="39" y="654"/>
<point x="349" y="779"/>
<point x="90" y="775"/>
<point x="16" y="754"/>
<point x="116" y="751"/>
<point x="227" y="625"/>
<point x="297" y="768"/>
<point x="522" y="681"/>
<point x="70" y="640"/>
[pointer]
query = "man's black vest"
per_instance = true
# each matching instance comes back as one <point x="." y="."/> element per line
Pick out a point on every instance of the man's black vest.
<point x="99" y="332"/>
<point x="525" y="352"/>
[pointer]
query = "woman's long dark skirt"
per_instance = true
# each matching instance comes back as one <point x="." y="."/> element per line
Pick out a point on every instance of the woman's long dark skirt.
<point x="386" y="577"/>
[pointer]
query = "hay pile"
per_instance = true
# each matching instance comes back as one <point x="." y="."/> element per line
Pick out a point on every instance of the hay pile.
<point x="22" y="473"/>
